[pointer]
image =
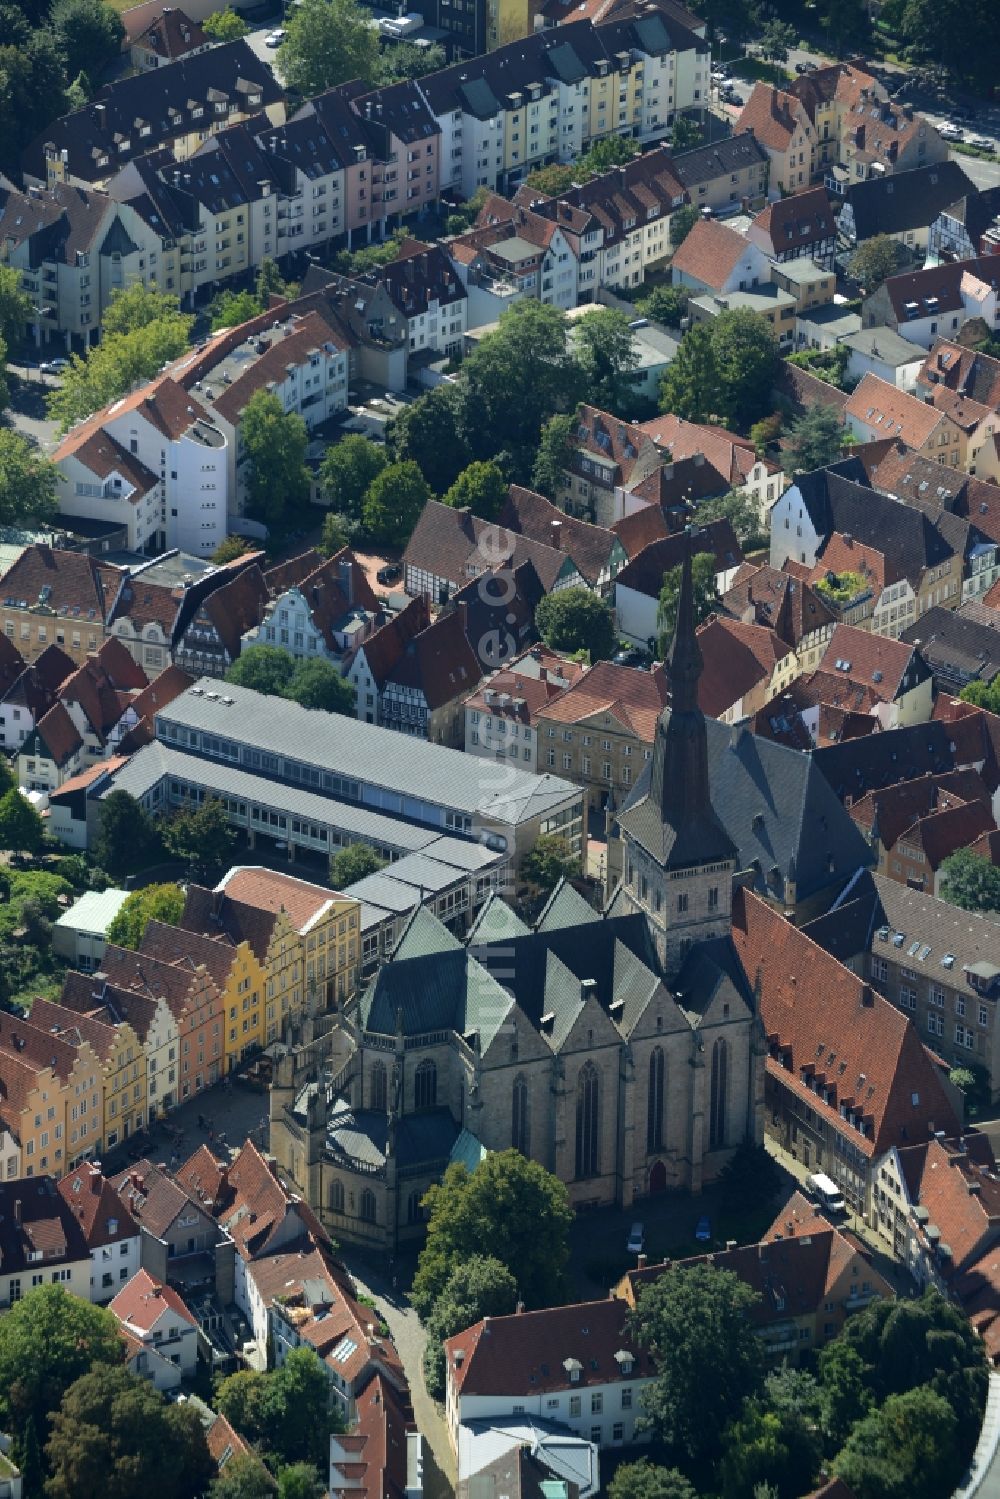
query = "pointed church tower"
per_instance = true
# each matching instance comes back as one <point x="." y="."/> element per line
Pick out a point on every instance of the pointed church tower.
<point x="679" y="859"/>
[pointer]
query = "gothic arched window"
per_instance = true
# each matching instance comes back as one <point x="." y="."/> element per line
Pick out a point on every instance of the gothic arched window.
<point x="654" y="1106"/>
<point x="720" y="1094"/>
<point x="366" y="1206"/>
<point x="520" y="1124"/>
<point x="379" y="1088"/>
<point x="425" y="1085"/>
<point x="588" y="1122"/>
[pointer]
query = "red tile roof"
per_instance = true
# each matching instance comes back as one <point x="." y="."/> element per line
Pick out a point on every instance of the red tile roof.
<point x="772" y="115"/>
<point x="710" y="253"/>
<point x="736" y="658"/>
<point x="97" y="1206"/>
<point x="526" y="1353"/>
<point x="302" y="902"/>
<point x="826" y="1025"/>
<point x="873" y="661"/>
<point x="371" y="1461"/>
<point x="64" y="581"/>
<point x="143" y="1301"/>
<point x="633" y="697"/>
<point x="439" y="662"/>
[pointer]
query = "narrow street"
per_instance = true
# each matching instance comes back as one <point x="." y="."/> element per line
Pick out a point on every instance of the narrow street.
<point x="410" y="1340"/>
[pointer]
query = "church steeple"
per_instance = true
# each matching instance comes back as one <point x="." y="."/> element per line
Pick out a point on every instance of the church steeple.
<point x="679" y="780"/>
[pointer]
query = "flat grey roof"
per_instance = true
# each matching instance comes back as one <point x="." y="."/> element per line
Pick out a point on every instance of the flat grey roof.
<point x="384" y="762"/>
<point x="885" y="343"/>
<point x="154" y="761"/>
<point x="515" y="249"/>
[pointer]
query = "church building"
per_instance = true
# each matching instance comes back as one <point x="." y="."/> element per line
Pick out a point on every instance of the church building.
<point x="622" y="1050"/>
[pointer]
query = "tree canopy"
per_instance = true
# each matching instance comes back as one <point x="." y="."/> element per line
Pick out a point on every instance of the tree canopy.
<point x="509" y="1203"/>
<point x="645" y="1480"/>
<point x="680" y="1315"/>
<point x="263" y="668"/>
<point x="742" y="512"/>
<point x="348" y="469"/>
<point x="143" y="331"/>
<point x="327" y="42"/>
<point x="126" y="835"/>
<point x="816" y="438"/>
<point x="554" y="449"/>
<point x="225" y="26"/>
<point x="28" y="482"/>
<point x="682" y="221"/>
<point x="201" y="836"/>
<point x="393" y="503"/>
<point x="746" y="360"/>
<point x="353" y="863"/>
<point x="574" y="619"/>
<point x="21" y="828"/>
<point x="971" y="881"/>
<point x="907" y="1449"/>
<point x="318" y="684"/>
<point x="479" y="1287"/>
<point x="152" y="903"/>
<point x="115" y="1435"/>
<point x="285" y="1413"/>
<point x="605" y="350"/>
<point x="876" y="260"/>
<point x="550" y="861"/>
<point x="15" y="307"/>
<point x="275" y="442"/>
<point x="48" y="1340"/>
<point x="89" y="34"/>
<point x="427" y="431"/>
<point x="482" y="487"/>
<point x="689" y="386"/>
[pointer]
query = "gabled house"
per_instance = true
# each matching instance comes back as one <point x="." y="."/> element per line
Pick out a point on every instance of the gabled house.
<point x="877" y="409"/>
<point x="891" y="672"/>
<point x="797" y="612"/>
<point x="173" y="1224"/>
<point x="170" y="36"/>
<point x="51" y="597"/>
<point x="595" y="551"/>
<point x="714" y="258"/>
<point x="780" y="123"/>
<point x="110" y="1232"/>
<point x="41" y="1242"/>
<point x="155" y="1314"/>
<point x="599" y="731"/>
<point x="325" y="616"/>
<point x="903" y="205"/>
<point x="212" y="638"/>
<point x="501" y="716"/>
<point x="726" y="451"/>
<point x="423" y="692"/>
<point x="801" y="225"/>
<point x="638" y="584"/>
<point x="936" y="302"/>
<point x="744" y="667"/>
<point x="449" y="547"/>
<point x="381" y="651"/>
<point x="606" y="457"/>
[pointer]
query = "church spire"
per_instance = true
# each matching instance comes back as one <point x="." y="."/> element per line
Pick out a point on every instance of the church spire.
<point x="684" y="660"/>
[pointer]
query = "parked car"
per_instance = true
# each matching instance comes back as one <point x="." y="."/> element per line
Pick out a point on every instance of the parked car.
<point x="800" y="67"/>
<point x="391" y="573"/>
<point x="736" y="100"/>
<point x="274" y="39"/>
<point x="703" y="1230"/>
<point x="54" y="366"/>
<point x="635" y="1239"/>
<point x="983" y="143"/>
<point x="810" y="67"/>
<point x="949" y="132"/>
<point x="631" y="657"/>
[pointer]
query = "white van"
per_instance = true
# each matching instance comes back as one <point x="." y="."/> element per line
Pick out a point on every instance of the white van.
<point x="827" y="1193"/>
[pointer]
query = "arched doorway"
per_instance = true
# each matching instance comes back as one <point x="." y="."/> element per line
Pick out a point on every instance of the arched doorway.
<point x="657" y="1178"/>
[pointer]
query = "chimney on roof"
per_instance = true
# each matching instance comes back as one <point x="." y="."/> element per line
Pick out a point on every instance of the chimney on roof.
<point x="640" y="1262"/>
<point x="867" y="997"/>
<point x="17" y="1209"/>
<point x="556" y="529"/>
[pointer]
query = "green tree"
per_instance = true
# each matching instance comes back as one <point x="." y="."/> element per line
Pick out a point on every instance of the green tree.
<point x="480" y="1287"/>
<point x="407" y="60"/>
<point x="751" y="1177"/>
<point x="126" y="836"/>
<point x="15" y="307"/>
<point x="554" y="180"/>
<point x="20" y="825"/>
<point x="89" y="33"/>
<point x="645" y="1480"/>
<point x="225" y="26"/>
<point x="328" y="42"/>
<point x="553" y="454"/>
<point x="137" y="306"/>
<point x="394" y="502"/>
<point x="318" y="684"/>
<point x="816" y="439"/>
<point x="347" y="471"/>
<point x="970" y="881"/>
<point x="201" y="835"/>
<point x="275" y="442"/>
<point x="30" y="1461"/>
<point x="482" y="487"/>
<point x="764" y="1446"/>
<point x="270" y="283"/>
<point x="776" y="40"/>
<point x="426" y="432"/>
<point x="243" y="1477"/>
<point x="983" y="694"/>
<point x="550" y="861"/>
<point x="336" y="533"/>
<point x="574" y="619"/>
<point x="511" y="1204"/>
<point x="765" y="432"/>
<point x="231" y="548"/>
<point x="152" y="903"/>
<point x="263" y="668"/>
<point x="49" y="1339"/>
<point x="32" y="91"/>
<point x="875" y="261"/>
<point x="353" y="863"/>
<point x="907" y="1449"/>
<point x="242" y="1399"/>
<point x="704" y="593"/>
<point x="28" y="481"/>
<point x="665" y="304"/>
<point x="742" y="512"/>
<point x="230" y="308"/>
<point x="114" y="1435"/>
<point x="514" y="380"/>
<point x="746" y="360"/>
<point x="680" y="1315"/>
<point x="116" y="365"/>
<point x="682" y="221"/>
<point x="690" y="384"/>
<point x="78" y="92"/>
<point x="297" y="1416"/>
<point x="300" y="1481"/>
<point x="844" y="1396"/>
<point x="613" y="151"/>
<point x="605" y="351"/>
<point x="686" y="133"/>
